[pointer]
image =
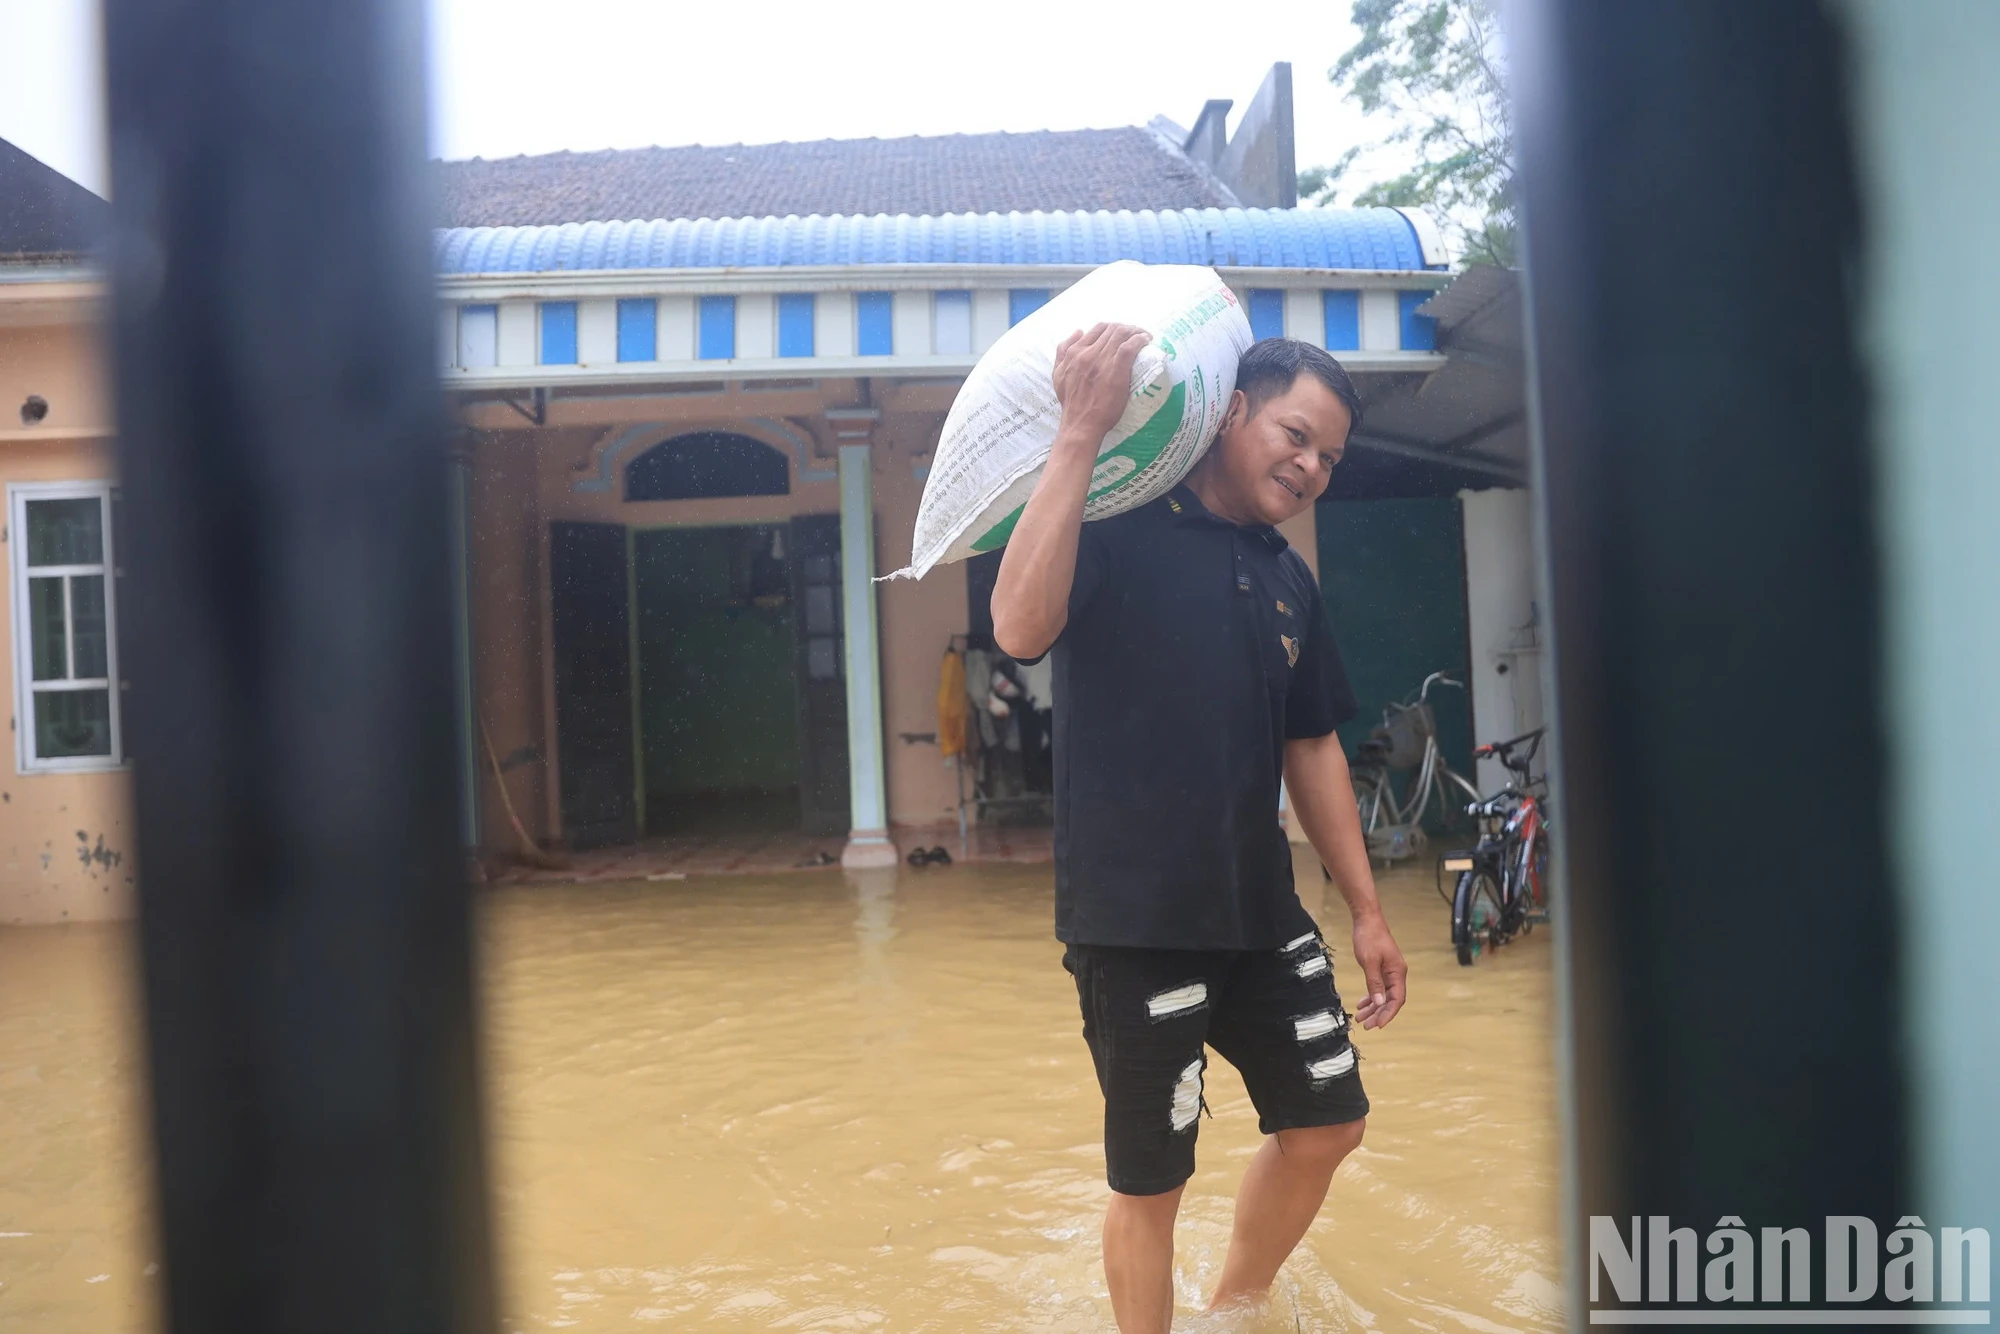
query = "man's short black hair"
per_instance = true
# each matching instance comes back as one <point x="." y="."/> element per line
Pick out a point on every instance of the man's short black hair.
<point x="1272" y="364"/>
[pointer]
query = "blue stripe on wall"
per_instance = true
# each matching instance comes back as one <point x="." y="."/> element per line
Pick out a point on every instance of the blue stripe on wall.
<point x="1343" y="321"/>
<point x="1420" y="332"/>
<point x="638" y="330"/>
<point x="1267" y="312"/>
<point x="1025" y="301"/>
<point x="717" y="339"/>
<point x="795" y="324"/>
<point x="874" y="329"/>
<point x="558" y="333"/>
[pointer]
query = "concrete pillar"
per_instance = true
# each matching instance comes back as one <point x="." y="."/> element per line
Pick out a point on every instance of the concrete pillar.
<point x="868" y="840"/>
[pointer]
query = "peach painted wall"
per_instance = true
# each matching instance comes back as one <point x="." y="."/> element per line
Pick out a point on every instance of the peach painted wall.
<point x="917" y="619"/>
<point x="505" y="547"/>
<point x="66" y="844"/>
<point x="65" y="364"/>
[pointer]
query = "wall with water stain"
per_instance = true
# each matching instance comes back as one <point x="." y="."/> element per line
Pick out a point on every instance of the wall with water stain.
<point x="65" y="838"/>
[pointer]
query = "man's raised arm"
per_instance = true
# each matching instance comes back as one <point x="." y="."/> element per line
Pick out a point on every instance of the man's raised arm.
<point x="1093" y="380"/>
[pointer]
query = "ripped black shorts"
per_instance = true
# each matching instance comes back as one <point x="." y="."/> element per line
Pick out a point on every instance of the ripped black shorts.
<point x="1273" y="1014"/>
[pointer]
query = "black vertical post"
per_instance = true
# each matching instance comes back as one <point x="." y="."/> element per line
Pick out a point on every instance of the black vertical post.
<point x="304" y="916"/>
<point x="1692" y="230"/>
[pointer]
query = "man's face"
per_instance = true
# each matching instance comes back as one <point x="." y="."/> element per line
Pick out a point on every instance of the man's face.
<point x="1277" y="461"/>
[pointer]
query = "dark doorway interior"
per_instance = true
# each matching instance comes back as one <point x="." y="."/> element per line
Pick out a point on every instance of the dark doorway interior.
<point x="593" y="671"/>
<point x="718" y="696"/>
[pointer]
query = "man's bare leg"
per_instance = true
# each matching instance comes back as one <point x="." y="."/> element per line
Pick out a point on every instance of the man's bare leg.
<point x="1139" y="1260"/>
<point x="1281" y="1195"/>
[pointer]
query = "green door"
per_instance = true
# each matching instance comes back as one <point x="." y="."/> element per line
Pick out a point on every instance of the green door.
<point x="1393" y="575"/>
<point x="718" y="692"/>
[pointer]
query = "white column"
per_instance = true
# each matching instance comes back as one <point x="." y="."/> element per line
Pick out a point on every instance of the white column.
<point x="1500" y="608"/>
<point x="868" y="840"/>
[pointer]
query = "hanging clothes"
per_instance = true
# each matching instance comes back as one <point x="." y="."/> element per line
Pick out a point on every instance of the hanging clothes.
<point x="1039" y="680"/>
<point x="952" y="704"/>
<point x="979" y="693"/>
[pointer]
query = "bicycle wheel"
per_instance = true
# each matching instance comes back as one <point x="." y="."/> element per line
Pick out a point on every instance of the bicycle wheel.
<point x="1457" y="794"/>
<point x="1531" y="874"/>
<point x="1372" y="798"/>
<point x="1475" y="914"/>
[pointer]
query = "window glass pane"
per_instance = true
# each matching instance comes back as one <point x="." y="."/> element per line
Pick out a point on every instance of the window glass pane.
<point x="558" y="333"/>
<point x="86" y="607"/>
<point x="47" y="644"/>
<point x="875" y="328"/>
<point x="819" y="609"/>
<point x="72" y="722"/>
<point x="66" y="532"/>
<point x="822" y="661"/>
<point x="795" y="324"/>
<point x="1025" y="301"/>
<point x="1343" y="321"/>
<point x="1267" y="312"/>
<point x="638" y="330"/>
<point x="716" y="339"/>
<point x="1419" y="331"/>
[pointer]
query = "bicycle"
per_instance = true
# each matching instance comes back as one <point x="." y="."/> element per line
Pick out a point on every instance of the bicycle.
<point x="1502" y="885"/>
<point x="1406" y="739"/>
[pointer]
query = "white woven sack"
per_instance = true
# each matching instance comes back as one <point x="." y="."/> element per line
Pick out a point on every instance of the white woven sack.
<point x="997" y="437"/>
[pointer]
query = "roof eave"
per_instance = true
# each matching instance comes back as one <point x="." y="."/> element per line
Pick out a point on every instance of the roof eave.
<point x="565" y="284"/>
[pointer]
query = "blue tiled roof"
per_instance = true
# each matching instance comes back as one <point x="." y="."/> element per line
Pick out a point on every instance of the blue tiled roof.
<point x="1305" y="238"/>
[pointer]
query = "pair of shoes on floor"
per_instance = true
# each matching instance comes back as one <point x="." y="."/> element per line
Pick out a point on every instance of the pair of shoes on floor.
<point x="928" y="857"/>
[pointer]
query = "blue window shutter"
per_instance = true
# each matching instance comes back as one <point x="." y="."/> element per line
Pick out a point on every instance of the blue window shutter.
<point x="1343" y="321"/>
<point x="795" y="324"/>
<point x="1025" y="301"/>
<point x="638" y="330"/>
<point x="1267" y="312"/>
<point x="558" y="333"/>
<point x="1420" y="332"/>
<point x="874" y="331"/>
<point x="717" y="337"/>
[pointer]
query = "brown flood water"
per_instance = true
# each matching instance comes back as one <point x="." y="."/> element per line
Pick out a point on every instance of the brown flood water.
<point x="821" y="1101"/>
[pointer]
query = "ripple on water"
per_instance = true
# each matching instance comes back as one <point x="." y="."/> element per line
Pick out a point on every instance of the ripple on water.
<point x="818" y="1102"/>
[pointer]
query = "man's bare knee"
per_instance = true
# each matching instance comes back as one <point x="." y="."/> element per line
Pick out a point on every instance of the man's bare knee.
<point x="1322" y="1146"/>
<point x="1166" y="1203"/>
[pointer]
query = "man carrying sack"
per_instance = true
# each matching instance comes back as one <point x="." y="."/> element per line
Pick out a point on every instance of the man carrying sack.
<point x="1194" y="670"/>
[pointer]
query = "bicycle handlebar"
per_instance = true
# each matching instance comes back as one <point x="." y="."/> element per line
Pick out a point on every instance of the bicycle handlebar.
<point x="1437" y="678"/>
<point x="1503" y="750"/>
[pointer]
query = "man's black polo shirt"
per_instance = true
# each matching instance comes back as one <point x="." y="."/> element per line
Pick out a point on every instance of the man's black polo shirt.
<point x="1194" y="649"/>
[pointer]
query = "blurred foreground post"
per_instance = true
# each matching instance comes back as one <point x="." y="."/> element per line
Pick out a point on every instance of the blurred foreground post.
<point x="305" y="921"/>
<point x="1693" y="229"/>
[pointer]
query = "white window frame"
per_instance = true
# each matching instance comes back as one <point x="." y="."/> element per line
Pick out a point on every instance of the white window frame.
<point x="25" y="759"/>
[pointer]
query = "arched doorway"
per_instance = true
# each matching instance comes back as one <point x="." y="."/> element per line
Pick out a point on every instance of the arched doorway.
<point x="732" y="718"/>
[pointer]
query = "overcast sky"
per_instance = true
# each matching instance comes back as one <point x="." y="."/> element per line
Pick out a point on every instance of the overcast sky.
<point x="534" y="76"/>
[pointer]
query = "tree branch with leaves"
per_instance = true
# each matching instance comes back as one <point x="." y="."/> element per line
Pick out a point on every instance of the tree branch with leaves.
<point x="1436" y="70"/>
